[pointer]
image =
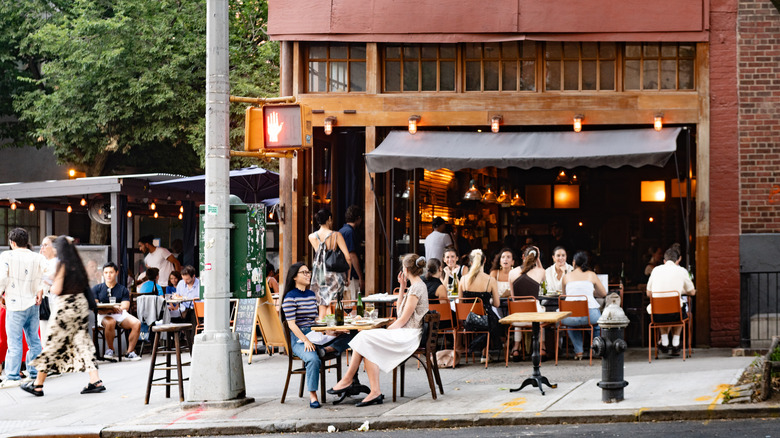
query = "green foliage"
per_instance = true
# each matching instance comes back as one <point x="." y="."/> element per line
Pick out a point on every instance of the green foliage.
<point x="775" y="356"/>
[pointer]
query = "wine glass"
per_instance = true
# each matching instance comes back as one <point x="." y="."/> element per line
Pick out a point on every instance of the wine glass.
<point x="369" y="309"/>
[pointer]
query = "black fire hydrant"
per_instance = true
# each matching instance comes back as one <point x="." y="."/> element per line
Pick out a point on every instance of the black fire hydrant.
<point x="610" y="347"/>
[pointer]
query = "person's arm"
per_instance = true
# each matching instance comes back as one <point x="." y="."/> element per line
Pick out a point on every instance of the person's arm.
<point x="408" y="310"/>
<point x="299" y="334"/>
<point x="356" y="265"/>
<point x="344" y="250"/>
<point x="125" y="305"/>
<point x="274" y="285"/>
<point x="175" y="261"/>
<point x="514" y="274"/>
<point x="494" y="273"/>
<point x="493" y="287"/>
<point x="401" y="289"/>
<point x="649" y="287"/>
<point x="59" y="278"/>
<point x="441" y="292"/>
<point x="598" y="287"/>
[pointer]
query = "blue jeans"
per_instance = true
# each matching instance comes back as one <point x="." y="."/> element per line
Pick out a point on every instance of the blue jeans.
<point x="18" y="322"/>
<point x="576" y="335"/>
<point x="310" y="358"/>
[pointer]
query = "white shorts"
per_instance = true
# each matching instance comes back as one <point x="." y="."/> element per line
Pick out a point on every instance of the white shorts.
<point x="118" y="317"/>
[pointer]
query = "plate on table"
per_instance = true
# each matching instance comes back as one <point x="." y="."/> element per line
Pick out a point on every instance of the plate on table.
<point x="319" y="324"/>
<point x="362" y="322"/>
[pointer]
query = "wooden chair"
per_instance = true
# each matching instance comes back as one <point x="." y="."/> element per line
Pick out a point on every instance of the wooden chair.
<point x="463" y="306"/>
<point x="173" y="348"/>
<point x="578" y="308"/>
<point x="518" y="305"/>
<point x="199" y="307"/>
<point x="302" y="369"/>
<point x="665" y="303"/>
<point x="427" y="350"/>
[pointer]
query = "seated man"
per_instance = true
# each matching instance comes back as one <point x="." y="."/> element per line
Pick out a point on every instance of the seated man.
<point x="188" y="287"/>
<point x="666" y="278"/>
<point x="108" y="318"/>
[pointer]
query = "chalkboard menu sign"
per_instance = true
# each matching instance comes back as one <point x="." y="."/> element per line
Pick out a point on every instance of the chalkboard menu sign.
<point x="246" y="319"/>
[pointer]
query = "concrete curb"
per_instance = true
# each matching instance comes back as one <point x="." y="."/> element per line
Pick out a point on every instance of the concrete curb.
<point x="248" y="427"/>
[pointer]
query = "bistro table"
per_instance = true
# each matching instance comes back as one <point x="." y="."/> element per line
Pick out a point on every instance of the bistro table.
<point x="352" y="326"/>
<point x="535" y="318"/>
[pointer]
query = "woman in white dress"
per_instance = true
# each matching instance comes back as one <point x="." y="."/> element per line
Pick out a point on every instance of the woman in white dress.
<point x="385" y="349"/>
<point x="582" y="281"/>
<point x="502" y="264"/>
<point x="553" y="275"/>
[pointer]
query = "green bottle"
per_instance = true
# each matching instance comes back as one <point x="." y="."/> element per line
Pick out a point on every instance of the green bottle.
<point x="359" y="305"/>
<point x="339" y="311"/>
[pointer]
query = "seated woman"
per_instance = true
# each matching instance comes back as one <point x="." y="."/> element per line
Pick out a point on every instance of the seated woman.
<point x="452" y="270"/>
<point x="554" y="273"/>
<point x="502" y="266"/>
<point x="173" y="281"/>
<point x="150" y="286"/>
<point x="385" y="349"/>
<point x="270" y="278"/>
<point x="582" y="281"/>
<point x="525" y="280"/>
<point x="434" y="282"/>
<point x="477" y="284"/>
<point x="299" y="309"/>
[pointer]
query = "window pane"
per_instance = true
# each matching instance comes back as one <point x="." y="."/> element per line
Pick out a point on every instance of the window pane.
<point x="529" y="50"/>
<point x="318" y="51"/>
<point x="651" y="50"/>
<point x="411" y="52"/>
<point x="429" y="75"/>
<point x="633" y="50"/>
<point x="571" y="75"/>
<point x="510" y="50"/>
<point x="491" y="76"/>
<point x="668" y="74"/>
<point x="392" y="76"/>
<point x="631" y="75"/>
<point x="317" y="77"/>
<point x="338" y="76"/>
<point x="473" y="51"/>
<point x="357" y="51"/>
<point x="392" y="52"/>
<point x="607" y="50"/>
<point x="447" y="51"/>
<point x="552" y="50"/>
<point x="492" y="50"/>
<point x="473" y="75"/>
<point x="588" y="75"/>
<point x="447" y="76"/>
<point x="509" y="75"/>
<point x="357" y="76"/>
<point x="590" y="50"/>
<point x="553" y="75"/>
<point x="650" y="75"/>
<point x="686" y="74"/>
<point x="571" y="50"/>
<point x="669" y="50"/>
<point x="528" y="78"/>
<point x="338" y="51"/>
<point x="687" y="51"/>
<point x="429" y="51"/>
<point x="607" y="75"/>
<point x="410" y="76"/>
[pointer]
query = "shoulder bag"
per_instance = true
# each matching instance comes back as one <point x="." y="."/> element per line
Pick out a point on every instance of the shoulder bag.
<point x="474" y="322"/>
<point x="335" y="260"/>
<point x="44" y="309"/>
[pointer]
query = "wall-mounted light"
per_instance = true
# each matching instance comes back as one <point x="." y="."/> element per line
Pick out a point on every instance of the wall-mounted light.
<point x="658" y="121"/>
<point x="473" y="193"/>
<point x="329" y="122"/>
<point x="413" y="121"/>
<point x="31" y="207"/>
<point x="83" y="202"/>
<point x="578" y="122"/>
<point x="495" y="121"/>
<point x="653" y="191"/>
<point x="73" y="174"/>
<point x="69" y="209"/>
<point x="129" y="213"/>
<point x="153" y="206"/>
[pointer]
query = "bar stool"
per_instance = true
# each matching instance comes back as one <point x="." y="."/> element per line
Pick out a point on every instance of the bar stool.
<point x="175" y="332"/>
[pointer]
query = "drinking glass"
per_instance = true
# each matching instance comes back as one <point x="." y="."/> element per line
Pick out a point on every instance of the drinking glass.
<point x="369" y="309"/>
<point x="112" y="300"/>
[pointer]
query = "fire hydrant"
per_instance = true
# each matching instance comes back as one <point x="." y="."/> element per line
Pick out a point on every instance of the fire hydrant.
<point x="610" y="347"/>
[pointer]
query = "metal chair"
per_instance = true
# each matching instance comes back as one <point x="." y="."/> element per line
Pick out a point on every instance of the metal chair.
<point x="520" y="305"/>
<point x="199" y="307"/>
<point x="302" y="370"/>
<point x="464" y="306"/>
<point x="427" y="349"/>
<point x="578" y="308"/>
<point x="665" y="303"/>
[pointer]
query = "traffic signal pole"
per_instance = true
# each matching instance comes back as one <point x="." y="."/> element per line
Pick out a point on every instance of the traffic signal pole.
<point x="217" y="374"/>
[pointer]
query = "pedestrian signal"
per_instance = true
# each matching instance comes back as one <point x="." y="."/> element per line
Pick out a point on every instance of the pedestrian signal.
<point x="278" y="128"/>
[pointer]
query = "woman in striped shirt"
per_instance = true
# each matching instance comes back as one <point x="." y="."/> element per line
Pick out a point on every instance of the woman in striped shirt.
<point x="299" y="309"/>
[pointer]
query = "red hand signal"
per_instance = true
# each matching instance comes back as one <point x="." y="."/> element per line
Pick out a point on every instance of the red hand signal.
<point x="274" y="127"/>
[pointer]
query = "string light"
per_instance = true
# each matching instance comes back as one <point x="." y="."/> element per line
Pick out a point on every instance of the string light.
<point x="153" y="206"/>
<point x="181" y="216"/>
<point x="129" y="213"/>
<point x="69" y="209"/>
<point x="31" y="207"/>
<point x="155" y="215"/>
<point x="83" y="202"/>
<point x="181" y="209"/>
<point x="13" y="205"/>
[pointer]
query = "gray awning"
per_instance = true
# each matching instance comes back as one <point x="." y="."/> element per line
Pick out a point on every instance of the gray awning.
<point x="474" y="150"/>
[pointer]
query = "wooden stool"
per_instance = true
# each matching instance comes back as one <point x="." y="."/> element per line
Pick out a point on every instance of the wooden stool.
<point x="175" y="331"/>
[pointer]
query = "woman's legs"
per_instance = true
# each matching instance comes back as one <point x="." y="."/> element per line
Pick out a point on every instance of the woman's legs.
<point x="372" y="370"/>
<point x="311" y="361"/>
<point x="354" y="366"/>
<point x="575" y="335"/>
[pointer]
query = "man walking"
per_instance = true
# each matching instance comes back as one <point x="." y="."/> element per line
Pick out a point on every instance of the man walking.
<point x="21" y="283"/>
<point x="437" y="240"/>
<point x="354" y="218"/>
<point x="159" y="258"/>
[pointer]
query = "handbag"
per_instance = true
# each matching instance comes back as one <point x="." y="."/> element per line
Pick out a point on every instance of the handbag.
<point x="474" y="322"/>
<point x="335" y="260"/>
<point x="44" y="309"/>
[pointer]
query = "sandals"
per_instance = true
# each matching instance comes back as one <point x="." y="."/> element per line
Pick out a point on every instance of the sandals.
<point x="578" y="356"/>
<point x="32" y="388"/>
<point x="93" y="388"/>
<point x="516" y="356"/>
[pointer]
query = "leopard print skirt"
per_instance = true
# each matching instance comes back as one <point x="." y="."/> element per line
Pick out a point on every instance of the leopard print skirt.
<point x="68" y="346"/>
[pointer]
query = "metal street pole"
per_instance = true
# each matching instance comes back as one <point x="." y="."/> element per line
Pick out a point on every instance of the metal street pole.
<point x="217" y="373"/>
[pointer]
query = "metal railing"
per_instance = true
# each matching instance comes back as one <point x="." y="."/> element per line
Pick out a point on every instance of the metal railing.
<point x="759" y="308"/>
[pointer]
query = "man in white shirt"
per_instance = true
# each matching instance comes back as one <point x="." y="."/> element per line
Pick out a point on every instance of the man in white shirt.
<point x="159" y="258"/>
<point x="666" y="278"/>
<point x="188" y="287"/>
<point x="21" y="283"/>
<point x="437" y="240"/>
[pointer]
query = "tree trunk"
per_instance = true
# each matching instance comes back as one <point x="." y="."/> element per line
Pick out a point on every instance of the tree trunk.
<point x="98" y="233"/>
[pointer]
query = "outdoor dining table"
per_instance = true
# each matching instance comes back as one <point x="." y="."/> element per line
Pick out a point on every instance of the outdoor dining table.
<point x="535" y="318"/>
<point x="350" y="326"/>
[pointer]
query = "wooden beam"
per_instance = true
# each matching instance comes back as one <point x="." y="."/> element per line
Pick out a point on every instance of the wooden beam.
<point x="702" y="196"/>
<point x="371" y="265"/>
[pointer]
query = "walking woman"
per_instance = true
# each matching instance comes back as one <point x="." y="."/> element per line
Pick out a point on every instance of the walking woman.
<point x="385" y="349"/>
<point x="324" y="283"/>
<point x="68" y="347"/>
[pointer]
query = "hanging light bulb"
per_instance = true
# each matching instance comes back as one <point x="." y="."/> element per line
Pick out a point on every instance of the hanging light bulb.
<point x="181" y="216"/>
<point x="153" y="206"/>
<point x="31" y="207"/>
<point x="156" y="215"/>
<point x="83" y="202"/>
<point x="473" y="194"/>
<point x="129" y="213"/>
<point x="578" y="122"/>
<point x="489" y="197"/>
<point x="13" y="205"/>
<point x="658" y="121"/>
<point x="69" y="209"/>
<point x="181" y="209"/>
<point x="517" y="201"/>
<point x="503" y="198"/>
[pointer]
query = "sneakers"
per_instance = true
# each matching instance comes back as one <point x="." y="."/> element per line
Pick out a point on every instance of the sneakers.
<point x="132" y="356"/>
<point x="8" y="383"/>
<point x="109" y="354"/>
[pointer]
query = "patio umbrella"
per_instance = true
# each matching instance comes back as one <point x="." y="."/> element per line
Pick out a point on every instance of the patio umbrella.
<point x="252" y="184"/>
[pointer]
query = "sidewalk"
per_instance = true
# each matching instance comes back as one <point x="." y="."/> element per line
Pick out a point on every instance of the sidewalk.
<point x="666" y="389"/>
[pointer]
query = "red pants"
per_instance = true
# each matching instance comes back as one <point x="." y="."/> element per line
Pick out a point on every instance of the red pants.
<point x="4" y="339"/>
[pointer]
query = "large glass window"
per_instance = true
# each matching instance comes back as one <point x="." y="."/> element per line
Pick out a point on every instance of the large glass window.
<point x="509" y="66"/>
<point x="336" y="67"/>
<point x="659" y="66"/>
<point x="573" y="66"/>
<point x="21" y="217"/>
<point x="419" y="67"/>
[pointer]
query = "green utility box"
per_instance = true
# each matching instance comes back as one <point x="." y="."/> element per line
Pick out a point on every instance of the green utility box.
<point x="247" y="249"/>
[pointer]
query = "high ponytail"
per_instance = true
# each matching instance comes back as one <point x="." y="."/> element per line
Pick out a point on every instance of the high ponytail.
<point x="477" y="258"/>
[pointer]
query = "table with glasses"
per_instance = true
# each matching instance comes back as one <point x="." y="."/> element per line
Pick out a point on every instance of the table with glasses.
<point x="383" y="302"/>
<point x="536" y="319"/>
<point x="353" y="325"/>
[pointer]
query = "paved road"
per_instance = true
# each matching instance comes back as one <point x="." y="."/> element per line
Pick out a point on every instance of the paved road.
<point x="762" y="428"/>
